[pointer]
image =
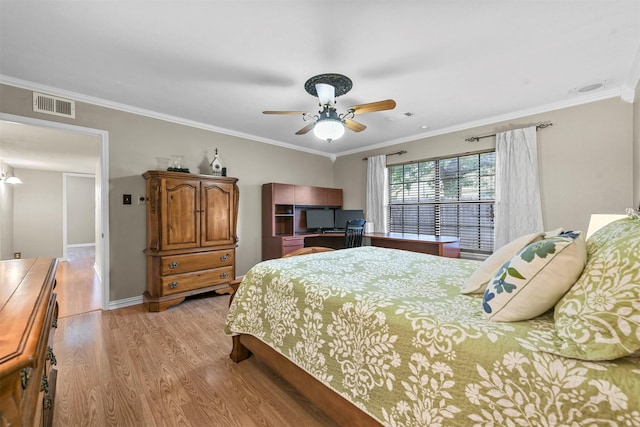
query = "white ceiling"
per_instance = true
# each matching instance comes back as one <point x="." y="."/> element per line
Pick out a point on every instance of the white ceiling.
<point x="41" y="148"/>
<point x="219" y="64"/>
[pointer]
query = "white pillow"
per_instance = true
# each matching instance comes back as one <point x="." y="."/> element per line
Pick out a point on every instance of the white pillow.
<point x="477" y="282"/>
<point x="535" y="279"/>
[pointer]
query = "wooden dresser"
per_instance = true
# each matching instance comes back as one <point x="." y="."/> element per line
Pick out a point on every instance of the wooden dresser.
<point x="191" y="236"/>
<point x="28" y="318"/>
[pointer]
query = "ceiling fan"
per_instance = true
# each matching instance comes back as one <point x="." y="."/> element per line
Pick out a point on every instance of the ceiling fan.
<point x="328" y="124"/>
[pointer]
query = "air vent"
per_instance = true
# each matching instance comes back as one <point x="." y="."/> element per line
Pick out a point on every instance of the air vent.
<point x="54" y="105"/>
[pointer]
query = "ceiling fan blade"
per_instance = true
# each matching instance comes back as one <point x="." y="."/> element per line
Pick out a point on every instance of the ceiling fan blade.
<point x="354" y="126"/>
<point x="306" y="129"/>
<point x="387" y="104"/>
<point x="284" y="112"/>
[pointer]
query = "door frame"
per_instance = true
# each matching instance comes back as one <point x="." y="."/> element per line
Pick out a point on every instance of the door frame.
<point x="103" y="137"/>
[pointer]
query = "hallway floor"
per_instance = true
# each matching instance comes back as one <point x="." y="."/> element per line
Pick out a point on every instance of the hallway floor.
<point x="78" y="287"/>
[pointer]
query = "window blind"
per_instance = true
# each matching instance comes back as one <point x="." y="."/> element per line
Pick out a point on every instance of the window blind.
<point x="451" y="196"/>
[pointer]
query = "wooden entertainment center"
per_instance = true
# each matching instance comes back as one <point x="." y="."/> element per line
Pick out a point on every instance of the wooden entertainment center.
<point x="284" y="219"/>
<point x="284" y="224"/>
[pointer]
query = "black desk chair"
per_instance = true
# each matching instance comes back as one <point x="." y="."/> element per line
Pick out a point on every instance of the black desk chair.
<point x="353" y="233"/>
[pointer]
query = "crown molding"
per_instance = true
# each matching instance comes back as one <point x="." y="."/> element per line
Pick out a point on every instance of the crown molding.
<point x="583" y="99"/>
<point x="628" y="90"/>
<point x="622" y="92"/>
<point x="24" y="84"/>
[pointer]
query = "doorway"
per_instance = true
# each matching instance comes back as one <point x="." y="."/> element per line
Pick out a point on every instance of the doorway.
<point x="101" y="193"/>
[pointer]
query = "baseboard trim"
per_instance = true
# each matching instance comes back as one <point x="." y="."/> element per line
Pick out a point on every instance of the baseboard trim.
<point x="80" y="245"/>
<point x="127" y="302"/>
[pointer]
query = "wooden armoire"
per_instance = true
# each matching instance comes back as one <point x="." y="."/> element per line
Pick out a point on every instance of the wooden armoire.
<point x="191" y="236"/>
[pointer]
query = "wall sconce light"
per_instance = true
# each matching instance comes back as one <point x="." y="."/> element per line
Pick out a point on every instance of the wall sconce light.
<point x="9" y="178"/>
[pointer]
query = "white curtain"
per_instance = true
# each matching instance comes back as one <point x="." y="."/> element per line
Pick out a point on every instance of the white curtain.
<point x="518" y="209"/>
<point x="377" y="194"/>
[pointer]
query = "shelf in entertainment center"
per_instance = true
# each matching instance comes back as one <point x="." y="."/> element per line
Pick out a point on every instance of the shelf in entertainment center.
<point x="284" y="209"/>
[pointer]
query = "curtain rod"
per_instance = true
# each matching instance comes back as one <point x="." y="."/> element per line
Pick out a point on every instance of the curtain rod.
<point x="478" y="138"/>
<point x="397" y="153"/>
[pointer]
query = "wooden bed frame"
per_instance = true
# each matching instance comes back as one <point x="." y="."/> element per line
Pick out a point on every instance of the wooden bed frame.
<point x="335" y="406"/>
<point x="331" y="403"/>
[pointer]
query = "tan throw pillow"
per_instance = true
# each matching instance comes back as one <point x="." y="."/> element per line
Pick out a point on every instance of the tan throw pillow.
<point x="533" y="281"/>
<point x="477" y="282"/>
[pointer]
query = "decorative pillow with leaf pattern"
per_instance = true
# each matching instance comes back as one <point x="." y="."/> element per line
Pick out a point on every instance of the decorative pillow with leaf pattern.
<point x="534" y="279"/>
<point x="599" y="318"/>
<point x="478" y="281"/>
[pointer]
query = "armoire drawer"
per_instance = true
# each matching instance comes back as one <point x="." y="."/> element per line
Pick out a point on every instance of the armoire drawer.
<point x="177" y="264"/>
<point x="189" y="281"/>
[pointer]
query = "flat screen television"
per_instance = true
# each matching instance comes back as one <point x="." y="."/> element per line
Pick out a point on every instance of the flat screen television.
<point x="319" y="219"/>
<point x="344" y="215"/>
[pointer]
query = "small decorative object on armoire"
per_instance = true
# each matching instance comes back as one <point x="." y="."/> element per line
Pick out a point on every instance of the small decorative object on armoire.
<point x="216" y="165"/>
<point x="176" y="164"/>
<point x="191" y="236"/>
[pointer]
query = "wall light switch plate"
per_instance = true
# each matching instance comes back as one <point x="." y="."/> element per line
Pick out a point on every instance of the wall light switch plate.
<point x="126" y="199"/>
<point x="141" y="199"/>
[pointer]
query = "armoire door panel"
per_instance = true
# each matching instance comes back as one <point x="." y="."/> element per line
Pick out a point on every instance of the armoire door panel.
<point x="217" y="224"/>
<point x="182" y="214"/>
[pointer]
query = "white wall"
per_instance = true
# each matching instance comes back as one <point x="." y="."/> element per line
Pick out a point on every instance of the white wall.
<point x="6" y="216"/>
<point x="81" y="224"/>
<point x="37" y="214"/>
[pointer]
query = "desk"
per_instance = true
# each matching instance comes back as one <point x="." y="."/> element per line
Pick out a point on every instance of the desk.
<point x="434" y="245"/>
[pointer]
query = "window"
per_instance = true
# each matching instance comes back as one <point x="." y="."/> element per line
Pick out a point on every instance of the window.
<point x="446" y="197"/>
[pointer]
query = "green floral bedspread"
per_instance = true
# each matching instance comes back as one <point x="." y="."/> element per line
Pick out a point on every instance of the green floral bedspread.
<point x="390" y="331"/>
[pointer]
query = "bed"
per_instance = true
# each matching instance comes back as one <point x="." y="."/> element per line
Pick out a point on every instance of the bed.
<point x="377" y="336"/>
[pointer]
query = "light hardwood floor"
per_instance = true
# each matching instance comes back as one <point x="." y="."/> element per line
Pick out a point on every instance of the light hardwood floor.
<point x="129" y="367"/>
<point x="78" y="288"/>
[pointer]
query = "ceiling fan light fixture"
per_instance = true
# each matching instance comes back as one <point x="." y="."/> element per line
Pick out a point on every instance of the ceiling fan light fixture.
<point x="328" y="129"/>
<point x="328" y="124"/>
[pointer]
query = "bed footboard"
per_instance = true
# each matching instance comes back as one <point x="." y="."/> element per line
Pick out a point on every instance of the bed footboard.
<point x="335" y="406"/>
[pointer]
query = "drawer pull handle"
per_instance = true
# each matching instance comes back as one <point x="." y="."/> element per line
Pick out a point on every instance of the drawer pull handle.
<point x="25" y="375"/>
<point x="224" y="257"/>
<point x="173" y="285"/>
<point x="51" y="357"/>
<point x="223" y="275"/>
<point x="44" y="384"/>
<point x="174" y="264"/>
